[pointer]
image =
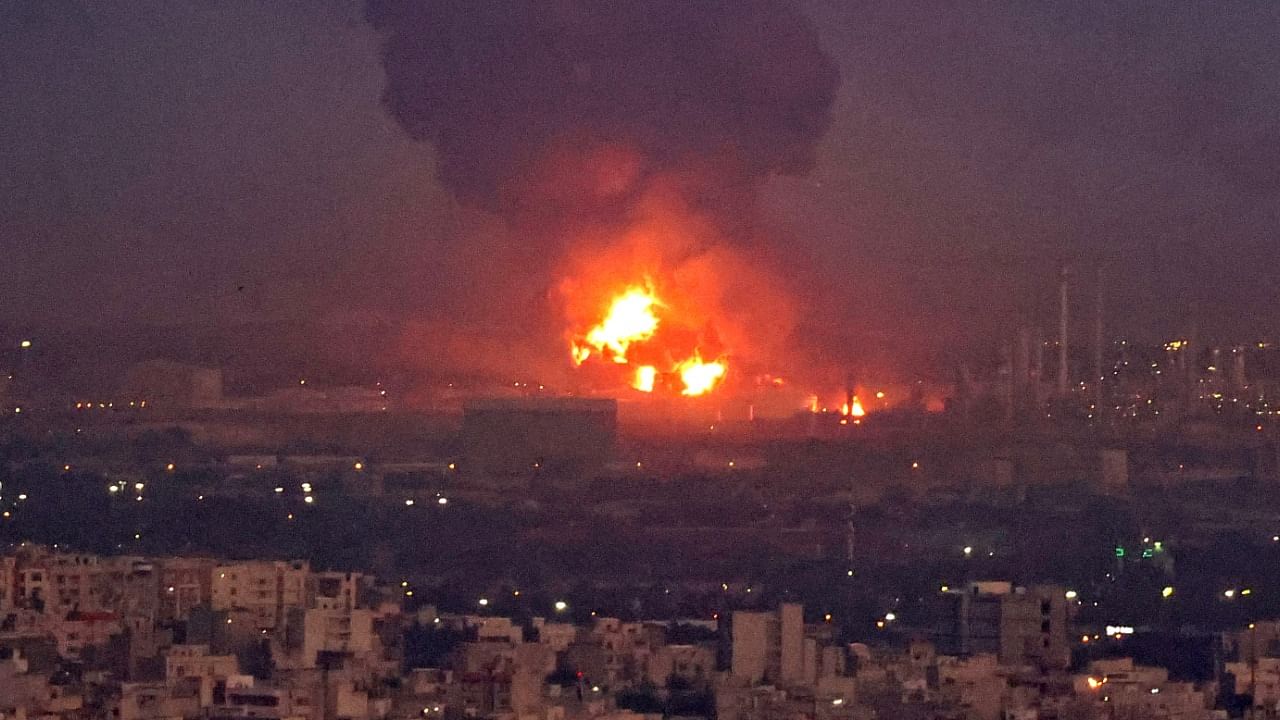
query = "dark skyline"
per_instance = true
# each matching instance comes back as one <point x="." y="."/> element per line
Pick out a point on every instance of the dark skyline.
<point x="185" y="162"/>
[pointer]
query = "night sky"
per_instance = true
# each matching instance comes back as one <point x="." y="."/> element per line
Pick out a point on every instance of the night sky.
<point x="179" y="161"/>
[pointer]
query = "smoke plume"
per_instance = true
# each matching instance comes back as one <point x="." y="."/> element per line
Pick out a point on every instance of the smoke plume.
<point x="580" y="121"/>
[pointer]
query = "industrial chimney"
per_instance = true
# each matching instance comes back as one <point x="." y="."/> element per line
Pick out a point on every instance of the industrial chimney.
<point x="1238" y="380"/>
<point x="1098" y="345"/>
<point x="1022" y="377"/>
<point x="1063" y="375"/>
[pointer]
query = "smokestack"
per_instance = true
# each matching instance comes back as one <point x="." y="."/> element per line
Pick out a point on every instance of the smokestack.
<point x="1238" y="379"/>
<point x="1022" y="369"/>
<point x="849" y="395"/>
<point x="1037" y="372"/>
<point x="1008" y="387"/>
<point x="850" y="534"/>
<point x="1191" y="366"/>
<point x="965" y="390"/>
<point x="1063" y="375"/>
<point x="1097" y="345"/>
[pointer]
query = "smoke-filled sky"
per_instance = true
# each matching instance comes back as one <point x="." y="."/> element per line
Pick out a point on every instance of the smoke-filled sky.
<point x="185" y="161"/>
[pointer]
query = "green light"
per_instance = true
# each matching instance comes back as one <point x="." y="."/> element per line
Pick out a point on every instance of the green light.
<point x="1146" y="554"/>
<point x="1119" y="551"/>
<point x="1159" y="546"/>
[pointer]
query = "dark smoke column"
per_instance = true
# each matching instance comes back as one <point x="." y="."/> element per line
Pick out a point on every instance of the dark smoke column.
<point x="571" y="108"/>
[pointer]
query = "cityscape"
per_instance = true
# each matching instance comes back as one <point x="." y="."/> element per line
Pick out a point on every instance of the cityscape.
<point x="729" y="360"/>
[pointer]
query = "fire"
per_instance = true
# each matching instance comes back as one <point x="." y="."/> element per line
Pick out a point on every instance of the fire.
<point x="646" y="376"/>
<point x="631" y="333"/>
<point x="630" y="320"/>
<point x="854" y="410"/>
<point x="699" y="377"/>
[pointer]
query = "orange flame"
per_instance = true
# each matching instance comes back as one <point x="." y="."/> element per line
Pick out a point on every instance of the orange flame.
<point x="646" y="376"/>
<point x="630" y="320"/>
<point x="700" y="377"/>
<point x="855" y="410"/>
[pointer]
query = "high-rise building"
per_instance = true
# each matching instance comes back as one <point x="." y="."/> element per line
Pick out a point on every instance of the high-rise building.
<point x="317" y="633"/>
<point x="266" y="589"/>
<point x="1033" y="628"/>
<point x="750" y="645"/>
<point x="185" y="584"/>
<point x="769" y="646"/>
<point x="790" y="643"/>
<point x="1023" y="626"/>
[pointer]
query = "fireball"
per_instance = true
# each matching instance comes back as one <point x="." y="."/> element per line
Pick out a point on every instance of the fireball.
<point x="631" y="332"/>
<point x="698" y="377"/>
<point x="630" y="320"/>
